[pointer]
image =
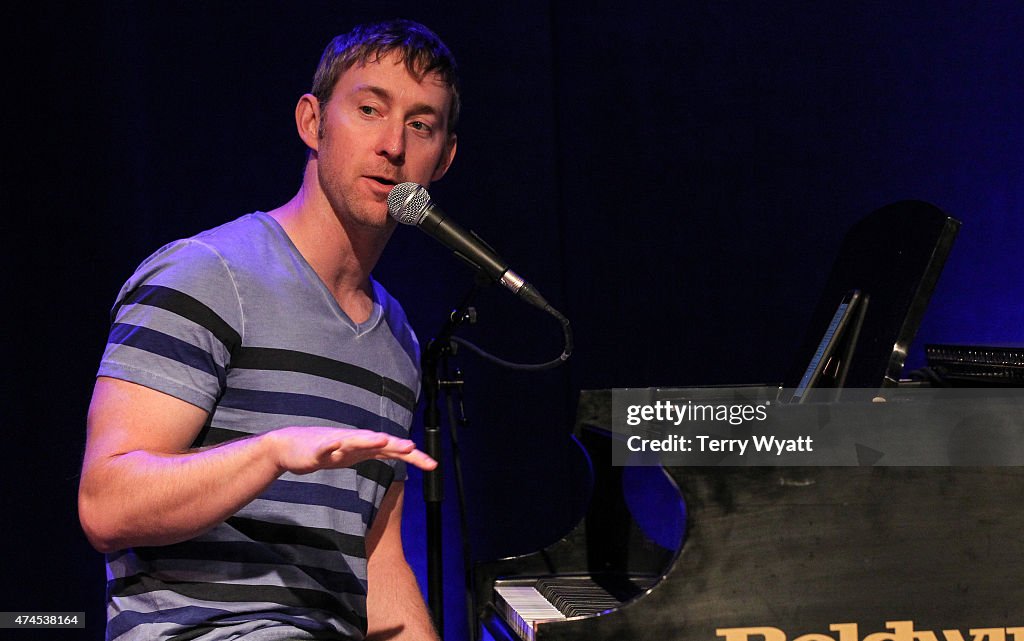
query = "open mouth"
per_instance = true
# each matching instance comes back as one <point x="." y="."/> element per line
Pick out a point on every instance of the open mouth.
<point x="384" y="181"/>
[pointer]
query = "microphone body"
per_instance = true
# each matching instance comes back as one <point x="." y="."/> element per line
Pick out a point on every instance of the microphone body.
<point x="410" y="204"/>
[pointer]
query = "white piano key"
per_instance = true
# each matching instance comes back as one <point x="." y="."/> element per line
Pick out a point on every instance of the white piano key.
<point x="524" y="607"/>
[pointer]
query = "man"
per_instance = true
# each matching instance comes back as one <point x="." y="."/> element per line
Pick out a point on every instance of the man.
<point x="247" y="434"/>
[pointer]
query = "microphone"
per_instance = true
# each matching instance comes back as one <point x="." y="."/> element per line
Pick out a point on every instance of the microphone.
<point x="410" y="204"/>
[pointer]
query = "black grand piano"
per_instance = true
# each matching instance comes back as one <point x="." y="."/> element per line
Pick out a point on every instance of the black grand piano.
<point x="792" y="553"/>
<point x="772" y="554"/>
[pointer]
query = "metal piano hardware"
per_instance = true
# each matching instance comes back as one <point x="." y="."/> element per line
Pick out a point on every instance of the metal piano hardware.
<point x="788" y="550"/>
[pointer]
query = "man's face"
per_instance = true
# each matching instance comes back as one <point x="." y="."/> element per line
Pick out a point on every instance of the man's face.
<point x="381" y="127"/>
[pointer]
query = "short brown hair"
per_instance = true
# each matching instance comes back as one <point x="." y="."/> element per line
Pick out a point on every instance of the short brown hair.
<point x="419" y="47"/>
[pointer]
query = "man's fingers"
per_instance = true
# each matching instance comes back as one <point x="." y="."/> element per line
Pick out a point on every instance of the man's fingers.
<point x="404" y="450"/>
<point x="348" y="447"/>
<point x="382" y="445"/>
<point x="420" y="460"/>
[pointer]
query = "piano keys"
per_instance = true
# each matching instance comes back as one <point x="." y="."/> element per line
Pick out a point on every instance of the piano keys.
<point x="526" y="603"/>
<point x="522" y="606"/>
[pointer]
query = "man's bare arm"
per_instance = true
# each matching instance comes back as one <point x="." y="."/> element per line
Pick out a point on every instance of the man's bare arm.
<point x="141" y="485"/>
<point x="394" y="605"/>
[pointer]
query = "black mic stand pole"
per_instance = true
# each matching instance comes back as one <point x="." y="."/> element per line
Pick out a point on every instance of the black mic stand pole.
<point x="437" y="352"/>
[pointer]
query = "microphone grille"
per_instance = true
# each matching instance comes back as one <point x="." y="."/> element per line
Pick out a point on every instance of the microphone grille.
<point x="407" y="202"/>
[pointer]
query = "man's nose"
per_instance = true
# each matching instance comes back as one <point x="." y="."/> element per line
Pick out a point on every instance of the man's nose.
<point x="391" y="143"/>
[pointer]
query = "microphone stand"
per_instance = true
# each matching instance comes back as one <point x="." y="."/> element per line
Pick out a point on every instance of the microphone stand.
<point x="434" y="356"/>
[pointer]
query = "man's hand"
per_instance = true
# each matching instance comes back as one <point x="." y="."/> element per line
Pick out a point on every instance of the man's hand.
<point x="302" y="450"/>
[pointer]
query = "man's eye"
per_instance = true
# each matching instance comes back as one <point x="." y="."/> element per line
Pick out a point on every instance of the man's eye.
<point x="367" y="110"/>
<point x="419" y="125"/>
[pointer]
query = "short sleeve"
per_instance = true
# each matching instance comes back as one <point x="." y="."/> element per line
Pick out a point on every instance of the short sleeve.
<point x="175" y="324"/>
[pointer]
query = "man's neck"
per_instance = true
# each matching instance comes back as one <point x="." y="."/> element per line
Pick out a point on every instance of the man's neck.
<point x="342" y="255"/>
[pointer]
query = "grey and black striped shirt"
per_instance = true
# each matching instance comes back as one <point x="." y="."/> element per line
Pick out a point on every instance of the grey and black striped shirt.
<point x="235" y="321"/>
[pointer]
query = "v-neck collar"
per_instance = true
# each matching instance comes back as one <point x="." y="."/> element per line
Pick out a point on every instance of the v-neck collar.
<point x="359" y="329"/>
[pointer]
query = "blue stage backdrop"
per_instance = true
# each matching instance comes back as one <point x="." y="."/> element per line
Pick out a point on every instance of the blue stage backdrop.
<point x="675" y="177"/>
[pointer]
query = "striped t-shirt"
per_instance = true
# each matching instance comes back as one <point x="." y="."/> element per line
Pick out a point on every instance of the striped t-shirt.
<point x="235" y="321"/>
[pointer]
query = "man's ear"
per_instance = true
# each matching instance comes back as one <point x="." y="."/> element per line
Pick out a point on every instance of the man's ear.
<point x="447" y="156"/>
<point x="307" y="120"/>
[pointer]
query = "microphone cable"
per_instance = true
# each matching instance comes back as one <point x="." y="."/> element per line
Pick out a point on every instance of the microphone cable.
<point x="527" y="367"/>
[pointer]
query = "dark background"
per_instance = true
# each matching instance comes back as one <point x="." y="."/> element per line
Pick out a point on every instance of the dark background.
<point x="675" y="177"/>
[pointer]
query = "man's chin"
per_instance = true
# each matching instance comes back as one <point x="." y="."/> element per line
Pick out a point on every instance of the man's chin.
<point x="366" y="215"/>
<point x="374" y="220"/>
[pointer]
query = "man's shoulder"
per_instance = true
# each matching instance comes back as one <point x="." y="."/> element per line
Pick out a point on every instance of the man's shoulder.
<point x="204" y="265"/>
<point x="233" y="243"/>
<point x="238" y="234"/>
